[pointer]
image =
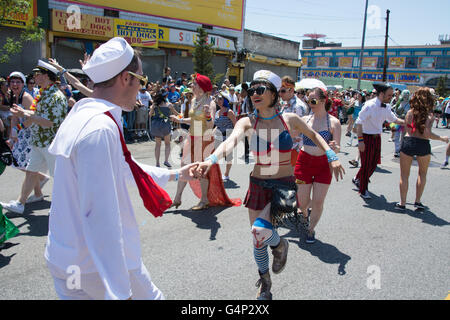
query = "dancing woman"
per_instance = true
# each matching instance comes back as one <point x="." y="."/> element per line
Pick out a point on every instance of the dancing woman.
<point x="312" y="169"/>
<point x="199" y="145"/>
<point x="271" y="143"/>
<point x="419" y="121"/>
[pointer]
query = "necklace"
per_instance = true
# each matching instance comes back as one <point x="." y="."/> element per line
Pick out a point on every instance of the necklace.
<point x="201" y="101"/>
<point x="270" y="118"/>
<point x="38" y="97"/>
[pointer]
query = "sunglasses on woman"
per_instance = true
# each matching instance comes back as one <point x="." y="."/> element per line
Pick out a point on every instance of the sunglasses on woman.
<point x="259" y="90"/>
<point x="314" y="101"/>
<point x="143" y="80"/>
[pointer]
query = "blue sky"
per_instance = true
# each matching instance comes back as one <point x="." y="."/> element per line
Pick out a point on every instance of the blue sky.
<point x="411" y="22"/>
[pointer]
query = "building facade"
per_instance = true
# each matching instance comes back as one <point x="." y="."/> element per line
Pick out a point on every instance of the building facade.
<point x="164" y="30"/>
<point x="409" y="65"/>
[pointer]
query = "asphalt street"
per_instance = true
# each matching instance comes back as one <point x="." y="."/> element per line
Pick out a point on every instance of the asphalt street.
<point x="365" y="249"/>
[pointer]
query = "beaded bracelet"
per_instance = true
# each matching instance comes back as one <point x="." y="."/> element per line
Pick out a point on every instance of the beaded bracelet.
<point x="213" y="159"/>
<point x="331" y="155"/>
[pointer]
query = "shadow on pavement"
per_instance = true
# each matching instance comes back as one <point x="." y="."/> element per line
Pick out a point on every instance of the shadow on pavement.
<point x="205" y="219"/>
<point x="380" y="203"/>
<point x="324" y="251"/>
<point x="5" y="260"/>
<point x="230" y="184"/>
<point x="37" y="224"/>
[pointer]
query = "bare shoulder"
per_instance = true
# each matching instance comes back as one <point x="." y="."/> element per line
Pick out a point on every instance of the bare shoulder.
<point x="334" y="121"/>
<point x="291" y="117"/>
<point x="244" y="123"/>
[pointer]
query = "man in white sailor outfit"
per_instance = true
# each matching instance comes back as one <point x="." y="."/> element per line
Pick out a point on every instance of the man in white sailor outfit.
<point x="92" y="227"/>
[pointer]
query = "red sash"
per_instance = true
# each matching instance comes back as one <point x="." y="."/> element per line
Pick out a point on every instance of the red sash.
<point x="156" y="200"/>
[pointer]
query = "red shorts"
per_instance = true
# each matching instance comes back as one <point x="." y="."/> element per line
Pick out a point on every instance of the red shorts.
<point x="309" y="169"/>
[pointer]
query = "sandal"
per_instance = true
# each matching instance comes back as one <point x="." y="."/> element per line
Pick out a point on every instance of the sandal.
<point x="200" y="206"/>
<point x="175" y="204"/>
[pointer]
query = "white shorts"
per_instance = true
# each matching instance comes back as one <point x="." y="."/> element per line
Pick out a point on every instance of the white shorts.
<point x="41" y="160"/>
<point x="93" y="288"/>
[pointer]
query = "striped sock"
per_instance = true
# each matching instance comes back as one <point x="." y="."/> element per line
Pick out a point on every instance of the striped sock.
<point x="262" y="258"/>
<point x="260" y="251"/>
<point x="274" y="239"/>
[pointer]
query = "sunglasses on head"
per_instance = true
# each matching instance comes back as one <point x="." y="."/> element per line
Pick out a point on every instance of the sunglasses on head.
<point x="259" y="90"/>
<point x="143" y="80"/>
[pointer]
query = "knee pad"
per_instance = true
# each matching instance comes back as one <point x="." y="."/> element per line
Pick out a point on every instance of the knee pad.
<point x="262" y="230"/>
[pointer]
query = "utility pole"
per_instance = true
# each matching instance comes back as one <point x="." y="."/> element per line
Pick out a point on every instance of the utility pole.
<point x="386" y="46"/>
<point x="362" y="47"/>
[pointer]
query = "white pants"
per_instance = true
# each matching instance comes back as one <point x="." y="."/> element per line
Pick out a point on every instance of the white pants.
<point x="92" y="287"/>
<point x="41" y="160"/>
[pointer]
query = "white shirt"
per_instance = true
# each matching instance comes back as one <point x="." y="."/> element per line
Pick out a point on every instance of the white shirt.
<point x="295" y="105"/>
<point x="372" y="116"/>
<point x="92" y="223"/>
<point x="145" y="98"/>
<point x="233" y="101"/>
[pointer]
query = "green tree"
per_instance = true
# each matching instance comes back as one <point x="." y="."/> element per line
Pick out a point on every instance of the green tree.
<point x="32" y="32"/>
<point x="441" y="88"/>
<point x="203" y="53"/>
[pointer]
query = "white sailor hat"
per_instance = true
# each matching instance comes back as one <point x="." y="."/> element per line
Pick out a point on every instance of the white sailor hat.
<point x="269" y="76"/>
<point x="46" y="66"/>
<point x="17" y="74"/>
<point x="109" y="59"/>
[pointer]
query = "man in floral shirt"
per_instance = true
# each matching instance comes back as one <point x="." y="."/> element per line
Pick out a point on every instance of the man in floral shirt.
<point x="46" y="114"/>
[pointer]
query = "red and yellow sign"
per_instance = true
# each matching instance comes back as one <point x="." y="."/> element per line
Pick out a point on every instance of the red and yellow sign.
<point x="19" y="20"/>
<point x="370" y="62"/>
<point x="323" y="62"/>
<point x="345" y="62"/>
<point x="223" y="13"/>
<point x="139" y="34"/>
<point x="89" y="25"/>
<point x="304" y="61"/>
<point x="397" y="62"/>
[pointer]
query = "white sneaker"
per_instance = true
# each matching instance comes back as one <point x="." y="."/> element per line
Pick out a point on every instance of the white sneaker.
<point x="225" y="178"/>
<point x="14" y="206"/>
<point x="33" y="199"/>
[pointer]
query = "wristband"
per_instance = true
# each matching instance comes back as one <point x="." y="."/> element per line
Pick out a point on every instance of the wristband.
<point x="213" y="159"/>
<point x="331" y="155"/>
<point x="177" y="175"/>
<point x="360" y="139"/>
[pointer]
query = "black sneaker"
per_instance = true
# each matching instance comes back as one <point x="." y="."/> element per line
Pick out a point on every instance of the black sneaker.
<point x="419" y="205"/>
<point x="400" y="207"/>
<point x="354" y="163"/>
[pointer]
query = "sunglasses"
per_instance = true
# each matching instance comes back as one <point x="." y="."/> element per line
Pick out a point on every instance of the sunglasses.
<point x="259" y="91"/>
<point x="284" y="90"/>
<point x="143" y="80"/>
<point x="314" y="101"/>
